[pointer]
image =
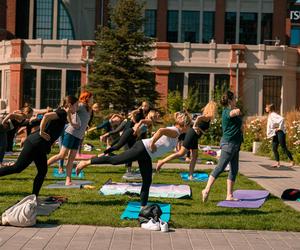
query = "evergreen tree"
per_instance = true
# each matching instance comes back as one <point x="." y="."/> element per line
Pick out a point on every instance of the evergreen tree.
<point x="121" y="73"/>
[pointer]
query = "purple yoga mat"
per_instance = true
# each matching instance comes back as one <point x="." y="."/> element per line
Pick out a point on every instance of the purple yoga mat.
<point x="250" y="194"/>
<point x="242" y="203"/>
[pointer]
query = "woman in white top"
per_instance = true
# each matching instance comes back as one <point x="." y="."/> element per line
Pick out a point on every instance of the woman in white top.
<point x="276" y="130"/>
<point x="144" y="151"/>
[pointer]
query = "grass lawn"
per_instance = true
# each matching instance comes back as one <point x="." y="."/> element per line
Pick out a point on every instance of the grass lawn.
<point x="88" y="207"/>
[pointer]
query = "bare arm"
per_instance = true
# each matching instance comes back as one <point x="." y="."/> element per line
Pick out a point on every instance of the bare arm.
<point x="235" y="112"/>
<point x="15" y="116"/>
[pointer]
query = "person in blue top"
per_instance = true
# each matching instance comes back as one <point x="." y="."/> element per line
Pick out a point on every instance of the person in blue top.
<point x="230" y="145"/>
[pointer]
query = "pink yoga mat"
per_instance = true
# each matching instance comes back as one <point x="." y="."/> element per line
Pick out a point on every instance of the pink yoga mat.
<point x="84" y="156"/>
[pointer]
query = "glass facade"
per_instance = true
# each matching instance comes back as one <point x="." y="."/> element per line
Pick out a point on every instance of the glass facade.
<point x="272" y="91"/>
<point x="22" y="19"/>
<point x="222" y="82"/>
<point x="208" y="26"/>
<point x="190" y="26"/>
<point x="172" y="34"/>
<point x="230" y="24"/>
<point x="65" y="27"/>
<point x="29" y="87"/>
<point x="43" y="19"/>
<point x="150" y="23"/>
<point x="50" y="88"/>
<point x="175" y="82"/>
<point x="266" y="27"/>
<point x="73" y="82"/>
<point x="248" y="28"/>
<point x="200" y="83"/>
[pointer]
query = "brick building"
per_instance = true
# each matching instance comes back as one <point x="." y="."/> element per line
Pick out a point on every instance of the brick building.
<point x="201" y="43"/>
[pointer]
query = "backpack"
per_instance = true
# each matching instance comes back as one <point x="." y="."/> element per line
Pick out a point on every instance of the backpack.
<point x="22" y="214"/>
<point x="291" y="194"/>
<point x="148" y="212"/>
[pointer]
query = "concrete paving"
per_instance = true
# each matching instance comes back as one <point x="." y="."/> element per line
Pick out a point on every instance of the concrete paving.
<point x="92" y="237"/>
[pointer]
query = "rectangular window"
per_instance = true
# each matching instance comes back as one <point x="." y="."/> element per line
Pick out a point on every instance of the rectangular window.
<point x="172" y="35"/>
<point x="175" y="82"/>
<point x="150" y="23"/>
<point x="208" y="26"/>
<point x="190" y="26"/>
<point x="248" y="28"/>
<point x="43" y="19"/>
<point x="272" y="91"/>
<point x="73" y="82"/>
<point x="65" y="29"/>
<point x="29" y="87"/>
<point x="222" y="82"/>
<point x="266" y="27"/>
<point x="22" y="19"/>
<point x="199" y="83"/>
<point x="51" y="88"/>
<point x="230" y="23"/>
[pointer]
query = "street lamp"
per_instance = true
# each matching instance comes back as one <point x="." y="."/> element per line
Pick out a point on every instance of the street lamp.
<point x="237" y="52"/>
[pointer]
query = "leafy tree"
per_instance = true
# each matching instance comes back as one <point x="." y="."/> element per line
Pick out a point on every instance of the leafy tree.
<point x="174" y="101"/>
<point x="121" y="73"/>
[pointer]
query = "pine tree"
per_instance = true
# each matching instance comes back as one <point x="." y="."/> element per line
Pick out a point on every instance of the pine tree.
<point x="121" y="73"/>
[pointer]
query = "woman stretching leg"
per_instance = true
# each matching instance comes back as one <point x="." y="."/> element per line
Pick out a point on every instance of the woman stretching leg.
<point x="164" y="140"/>
<point x="191" y="138"/>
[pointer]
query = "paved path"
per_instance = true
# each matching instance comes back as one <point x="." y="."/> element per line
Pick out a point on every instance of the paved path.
<point x="75" y="237"/>
<point x="91" y="237"/>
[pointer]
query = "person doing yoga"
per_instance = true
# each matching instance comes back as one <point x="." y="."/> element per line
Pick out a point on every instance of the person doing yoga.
<point x="276" y="130"/>
<point x="230" y="145"/>
<point x="192" y="136"/>
<point x="74" y="134"/>
<point x="38" y="144"/>
<point x="144" y="151"/>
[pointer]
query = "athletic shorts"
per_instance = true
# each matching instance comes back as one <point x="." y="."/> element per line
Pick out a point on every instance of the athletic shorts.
<point x="70" y="141"/>
<point x="191" y="139"/>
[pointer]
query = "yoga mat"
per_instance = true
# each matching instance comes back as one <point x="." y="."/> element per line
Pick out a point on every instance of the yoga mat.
<point x="200" y="177"/>
<point x="247" y="199"/>
<point x="251" y="194"/>
<point x="63" y="175"/>
<point x="298" y="199"/>
<point x="242" y="203"/>
<point x="133" y="209"/>
<point x="156" y="190"/>
<point x="269" y="167"/>
<point x="47" y="205"/>
<point x="61" y="184"/>
<point x="132" y="176"/>
<point x="84" y="156"/>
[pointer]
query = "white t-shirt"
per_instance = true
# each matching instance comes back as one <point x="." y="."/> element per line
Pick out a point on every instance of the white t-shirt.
<point x="275" y="121"/>
<point x="164" y="144"/>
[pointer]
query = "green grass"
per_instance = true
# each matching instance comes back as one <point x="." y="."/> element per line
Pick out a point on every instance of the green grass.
<point x="88" y="207"/>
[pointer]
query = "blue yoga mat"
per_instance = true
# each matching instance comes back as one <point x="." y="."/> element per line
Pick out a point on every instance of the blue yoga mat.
<point x="133" y="209"/>
<point x="200" y="177"/>
<point x="63" y="175"/>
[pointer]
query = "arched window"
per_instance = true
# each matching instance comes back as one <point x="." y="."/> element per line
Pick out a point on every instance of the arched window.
<point x="65" y="27"/>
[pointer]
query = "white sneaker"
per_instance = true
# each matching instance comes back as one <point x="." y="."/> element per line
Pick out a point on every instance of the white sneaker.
<point x="164" y="227"/>
<point x="151" y="225"/>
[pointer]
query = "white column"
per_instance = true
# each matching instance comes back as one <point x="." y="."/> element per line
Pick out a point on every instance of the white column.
<point x="282" y="94"/>
<point x="63" y="84"/>
<point x="185" y="85"/>
<point x="55" y="19"/>
<point x="201" y="22"/>
<point x="38" y="88"/>
<point x="259" y="6"/>
<point x="211" y="85"/>
<point x="31" y="19"/>
<point x="237" y="25"/>
<point x="179" y="21"/>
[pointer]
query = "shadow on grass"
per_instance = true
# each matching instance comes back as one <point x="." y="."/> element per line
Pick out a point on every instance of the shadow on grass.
<point x="14" y="193"/>
<point x="100" y="203"/>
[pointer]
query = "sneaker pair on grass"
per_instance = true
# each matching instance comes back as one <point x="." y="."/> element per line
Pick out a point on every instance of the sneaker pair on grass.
<point x="156" y="225"/>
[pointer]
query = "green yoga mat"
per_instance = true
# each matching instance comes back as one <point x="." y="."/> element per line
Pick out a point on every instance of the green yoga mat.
<point x="133" y="209"/>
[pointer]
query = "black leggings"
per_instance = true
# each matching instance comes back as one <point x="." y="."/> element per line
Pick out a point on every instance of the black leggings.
<point x="279" y="138"/>
<point x="126" y="138"/>
<point x="29" y="154"/>
<point x="10" y="140"/>
<point x="136" y="153"/>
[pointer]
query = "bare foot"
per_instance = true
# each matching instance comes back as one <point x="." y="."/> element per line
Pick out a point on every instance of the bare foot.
<point x="187" y="159"/>
<point x="61" y="170"/>
<point x="277" y="165"/>
<point x="81" y="165"/>
<point x="69" y="183"/>
<point x="204" y="195"/>
<point x="159" y="164"/>
<point x="190" y="177"/>
<point x="231" y="198"/>
<point x="292" y="164"/>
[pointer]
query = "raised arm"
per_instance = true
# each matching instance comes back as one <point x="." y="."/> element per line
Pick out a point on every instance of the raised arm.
<point x="235" y="112"/>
